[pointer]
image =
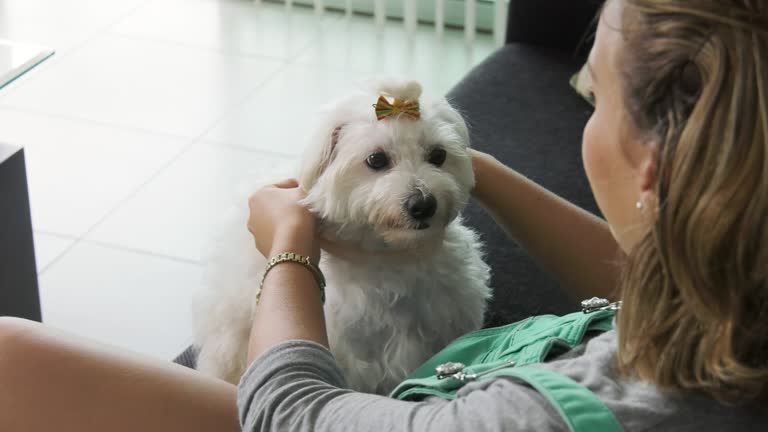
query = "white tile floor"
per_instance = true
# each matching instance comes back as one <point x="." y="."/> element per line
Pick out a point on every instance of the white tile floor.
<point x="148" y="118"/>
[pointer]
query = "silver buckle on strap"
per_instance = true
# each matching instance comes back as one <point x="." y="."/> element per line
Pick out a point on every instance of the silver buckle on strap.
<point x="456" y="371"/>
<point x="598" y="304"/>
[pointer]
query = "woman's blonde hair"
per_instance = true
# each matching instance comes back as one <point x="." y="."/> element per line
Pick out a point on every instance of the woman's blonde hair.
<point x="695" y="289"/>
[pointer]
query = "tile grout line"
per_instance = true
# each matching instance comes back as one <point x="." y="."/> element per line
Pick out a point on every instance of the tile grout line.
<point x="56" y="259"/>
<point x="104" y="29"/>
<point x="260" y="152"/>
<point x="140" y="251"/>
<point x="193" y="46"/>
<point x="240" y="102"/>
<point x="290" y="59"/>
<point x="54" y="234"/>
<point x="73" y="239"/>
<point x="115" y="246"/>
<point x="101" y="123"/>
<point x="81" y="240"/>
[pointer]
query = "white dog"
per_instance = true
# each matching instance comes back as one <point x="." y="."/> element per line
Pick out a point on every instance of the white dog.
<point x="404" y="276"/>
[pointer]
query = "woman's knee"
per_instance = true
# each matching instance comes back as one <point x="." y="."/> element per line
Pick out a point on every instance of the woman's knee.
<point x="12" y="328"/>
<point x="15" y="334"/>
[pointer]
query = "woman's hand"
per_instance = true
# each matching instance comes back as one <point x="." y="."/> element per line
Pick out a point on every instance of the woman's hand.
<point x="279" y="223"/>
<point x="480" y="165"/>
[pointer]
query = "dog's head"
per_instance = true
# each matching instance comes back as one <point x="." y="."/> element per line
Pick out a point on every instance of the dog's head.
<point x="392" y="182"/>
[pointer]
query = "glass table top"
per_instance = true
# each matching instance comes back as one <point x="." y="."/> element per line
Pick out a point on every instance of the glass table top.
<point x="17" y="58"/>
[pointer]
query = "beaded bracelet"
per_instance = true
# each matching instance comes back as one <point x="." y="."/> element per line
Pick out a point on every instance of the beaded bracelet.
<point x="298" y="259"/>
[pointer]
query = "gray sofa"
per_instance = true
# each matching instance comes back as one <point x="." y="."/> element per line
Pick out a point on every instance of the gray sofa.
<point x="521" y="108"/>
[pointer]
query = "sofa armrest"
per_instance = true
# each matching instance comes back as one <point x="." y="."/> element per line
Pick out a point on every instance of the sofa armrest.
<point x="551" y="23"/>
<point x="19" y="294"/>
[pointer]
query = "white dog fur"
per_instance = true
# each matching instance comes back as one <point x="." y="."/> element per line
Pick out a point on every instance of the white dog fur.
<point x="397" y="291"/>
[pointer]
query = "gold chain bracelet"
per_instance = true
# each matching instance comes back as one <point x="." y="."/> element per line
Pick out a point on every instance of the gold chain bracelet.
<point x="298" y="259"/>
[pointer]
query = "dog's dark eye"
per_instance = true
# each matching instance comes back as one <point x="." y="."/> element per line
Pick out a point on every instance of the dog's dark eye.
<point x="436" y="157"/>
<point x="378" y="161"/>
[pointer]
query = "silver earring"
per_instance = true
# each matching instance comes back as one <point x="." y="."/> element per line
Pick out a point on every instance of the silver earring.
<point x="639" y="205"/>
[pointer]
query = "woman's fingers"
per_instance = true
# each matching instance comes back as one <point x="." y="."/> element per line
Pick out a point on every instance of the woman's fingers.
<point x="284" y="184"/>
<point x="275" y="207"/>
<point x="287" y="184"/>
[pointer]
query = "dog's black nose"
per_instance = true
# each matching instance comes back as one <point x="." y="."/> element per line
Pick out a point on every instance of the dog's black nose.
<point x="421" y="207"/>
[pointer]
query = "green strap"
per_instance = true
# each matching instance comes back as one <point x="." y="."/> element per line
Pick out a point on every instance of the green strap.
<point x="579" y="407"/>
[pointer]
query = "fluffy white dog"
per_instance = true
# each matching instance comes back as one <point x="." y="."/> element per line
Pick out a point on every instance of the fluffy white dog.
<point x="404" y="276"/>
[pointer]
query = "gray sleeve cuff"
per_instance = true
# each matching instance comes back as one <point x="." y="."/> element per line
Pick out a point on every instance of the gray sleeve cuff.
<point x="293" y="371"/>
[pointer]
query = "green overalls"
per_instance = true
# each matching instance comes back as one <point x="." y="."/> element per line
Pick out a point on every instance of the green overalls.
<point x="506" y="350"/>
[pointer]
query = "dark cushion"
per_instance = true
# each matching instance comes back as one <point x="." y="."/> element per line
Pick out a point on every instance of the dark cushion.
<point x="521" y="109"/>
<point x="561" y="24"/>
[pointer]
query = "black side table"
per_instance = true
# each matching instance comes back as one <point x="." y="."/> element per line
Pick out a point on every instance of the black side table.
<point x="19" y="295"/>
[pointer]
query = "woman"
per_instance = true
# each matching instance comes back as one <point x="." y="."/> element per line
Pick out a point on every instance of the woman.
<point x="676" y="153"/>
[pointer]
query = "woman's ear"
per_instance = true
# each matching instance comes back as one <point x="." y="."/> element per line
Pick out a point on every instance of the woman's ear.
<point x="319" y="155"/>
<point x="648" y="166"/>
<point x="647" y="176"/>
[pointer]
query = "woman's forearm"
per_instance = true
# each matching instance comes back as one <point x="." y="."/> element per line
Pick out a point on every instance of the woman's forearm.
<point x="290" y="306"/>
<point x="569" y="242"/>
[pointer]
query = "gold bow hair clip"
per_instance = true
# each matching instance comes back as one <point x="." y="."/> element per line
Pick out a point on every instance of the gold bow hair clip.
<point x="385" y="109"/>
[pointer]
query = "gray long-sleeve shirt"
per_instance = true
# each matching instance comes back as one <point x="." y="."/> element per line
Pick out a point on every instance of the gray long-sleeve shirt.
<point x="297" y="386"/>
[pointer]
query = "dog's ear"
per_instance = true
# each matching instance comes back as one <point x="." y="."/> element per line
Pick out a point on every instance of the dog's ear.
<point x="319" y="156"/>
<point x="448" y="113"/>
